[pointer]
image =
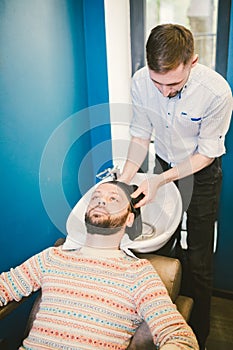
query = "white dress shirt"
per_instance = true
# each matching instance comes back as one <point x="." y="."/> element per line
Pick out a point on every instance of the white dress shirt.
<point x="196" y="120"/>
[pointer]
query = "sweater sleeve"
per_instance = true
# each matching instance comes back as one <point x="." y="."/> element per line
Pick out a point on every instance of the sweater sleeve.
<point x="22" y="280"/>
<point x="168" y="327"/>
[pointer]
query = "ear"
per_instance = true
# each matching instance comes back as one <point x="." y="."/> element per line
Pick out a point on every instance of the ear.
<point x="194" y="60"/>
<point x="130" y="220"/>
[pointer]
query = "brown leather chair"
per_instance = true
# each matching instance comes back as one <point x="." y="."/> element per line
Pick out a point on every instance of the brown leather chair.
<point x="169" y="270"/>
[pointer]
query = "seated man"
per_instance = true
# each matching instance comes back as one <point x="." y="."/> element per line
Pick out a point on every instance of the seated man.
<point x="97" y="296"/>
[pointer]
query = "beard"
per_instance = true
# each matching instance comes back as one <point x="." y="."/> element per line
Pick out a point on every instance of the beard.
<point x="105" y="226"/>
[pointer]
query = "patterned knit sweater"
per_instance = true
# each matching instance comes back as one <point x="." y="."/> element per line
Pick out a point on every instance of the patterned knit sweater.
<point x="94" y="299"/>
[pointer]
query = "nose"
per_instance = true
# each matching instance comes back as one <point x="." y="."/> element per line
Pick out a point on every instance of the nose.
<point x="101" y="202"/>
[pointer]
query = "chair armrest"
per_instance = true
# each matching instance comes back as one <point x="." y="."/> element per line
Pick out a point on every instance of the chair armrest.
<point x="184" y="306"/>
<point x="7" y="309"/>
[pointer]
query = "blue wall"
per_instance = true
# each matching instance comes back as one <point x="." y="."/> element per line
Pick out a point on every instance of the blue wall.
<point x="53" y="64"/>
<point x="223" y="259"/>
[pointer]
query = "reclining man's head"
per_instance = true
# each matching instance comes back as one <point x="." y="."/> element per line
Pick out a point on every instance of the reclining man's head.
<point x="111" y="210"/>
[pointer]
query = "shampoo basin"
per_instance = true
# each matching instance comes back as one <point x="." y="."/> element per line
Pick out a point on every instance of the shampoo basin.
<point x="160" y="219"/>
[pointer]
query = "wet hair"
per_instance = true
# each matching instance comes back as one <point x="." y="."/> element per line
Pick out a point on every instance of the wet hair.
<point x="168" y="46"/>
<point x="136" y="229"/>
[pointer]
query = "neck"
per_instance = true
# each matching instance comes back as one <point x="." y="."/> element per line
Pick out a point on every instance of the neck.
<point x="104" y="242"/>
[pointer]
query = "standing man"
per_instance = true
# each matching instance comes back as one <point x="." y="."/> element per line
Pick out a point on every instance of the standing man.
<point x="188" y="107"/>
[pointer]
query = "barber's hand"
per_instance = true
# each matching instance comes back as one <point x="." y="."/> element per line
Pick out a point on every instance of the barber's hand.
<point x="149" y="188"/>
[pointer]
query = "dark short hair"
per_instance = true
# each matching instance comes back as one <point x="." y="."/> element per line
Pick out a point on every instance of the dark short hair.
<point x="168" y="46"/>
<point x="136" y="229"/>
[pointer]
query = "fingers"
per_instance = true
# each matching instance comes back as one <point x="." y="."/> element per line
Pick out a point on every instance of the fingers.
<point x="140" y="192"/>
<point x="136" y="193"/>
<point x="141" y="202"/>
<point x="147" y="190"/>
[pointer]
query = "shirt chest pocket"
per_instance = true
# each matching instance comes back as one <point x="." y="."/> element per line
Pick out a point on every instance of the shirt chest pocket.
<point x="188" y="124"/>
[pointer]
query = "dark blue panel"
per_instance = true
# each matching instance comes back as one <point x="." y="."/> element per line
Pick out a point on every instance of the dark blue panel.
<point x="42" y="83"/>
<point x="95" y="39"/>
<point x="230" y="53"/>
<point x="223" y="258"/>
<point x="97" y="78"/>
<point x="50" y="69"/>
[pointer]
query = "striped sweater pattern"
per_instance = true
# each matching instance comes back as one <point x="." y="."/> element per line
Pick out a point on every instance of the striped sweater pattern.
<point x="94" y="299"/>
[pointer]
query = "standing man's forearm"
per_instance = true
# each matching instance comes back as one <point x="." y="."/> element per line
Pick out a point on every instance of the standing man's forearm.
<point x="189" y="166"/>
<point x="137" y="152"/>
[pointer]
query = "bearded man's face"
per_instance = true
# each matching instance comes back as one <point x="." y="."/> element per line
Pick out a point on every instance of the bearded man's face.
<point x="107" y="211"/>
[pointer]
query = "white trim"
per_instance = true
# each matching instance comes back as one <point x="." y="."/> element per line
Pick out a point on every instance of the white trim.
<point x="117" y="26"/>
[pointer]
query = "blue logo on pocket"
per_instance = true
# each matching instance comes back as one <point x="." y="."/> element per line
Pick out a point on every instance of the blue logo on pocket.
<point x="184" y="114"/>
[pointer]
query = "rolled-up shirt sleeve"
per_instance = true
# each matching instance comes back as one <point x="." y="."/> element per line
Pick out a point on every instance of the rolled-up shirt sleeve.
<point x="214" y="126"/>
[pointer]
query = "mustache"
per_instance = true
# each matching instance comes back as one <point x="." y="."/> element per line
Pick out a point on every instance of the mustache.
<point x="98" y="208"/>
